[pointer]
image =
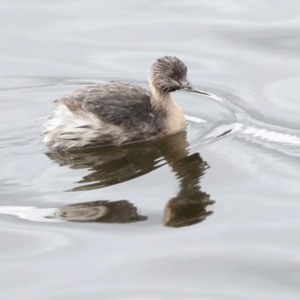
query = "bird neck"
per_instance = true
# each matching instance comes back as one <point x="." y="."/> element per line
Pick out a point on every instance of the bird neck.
<point x="162" y="102"/>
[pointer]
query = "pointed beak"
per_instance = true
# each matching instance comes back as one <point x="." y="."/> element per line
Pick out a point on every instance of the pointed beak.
<point x="187" y="86"/>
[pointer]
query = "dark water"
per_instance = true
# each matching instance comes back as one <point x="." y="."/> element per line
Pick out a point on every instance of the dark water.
<point x="212" y="213"/>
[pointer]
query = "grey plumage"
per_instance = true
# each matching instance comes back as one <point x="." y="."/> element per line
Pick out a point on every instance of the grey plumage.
<point x="115" y="113"/>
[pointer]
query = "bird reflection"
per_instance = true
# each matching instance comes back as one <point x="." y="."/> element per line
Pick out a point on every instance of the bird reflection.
<point x="104" y="211"/>
<point x="111" y="165"/>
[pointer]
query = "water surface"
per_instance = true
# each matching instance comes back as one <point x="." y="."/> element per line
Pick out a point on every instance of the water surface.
<point x="212" y="213"/>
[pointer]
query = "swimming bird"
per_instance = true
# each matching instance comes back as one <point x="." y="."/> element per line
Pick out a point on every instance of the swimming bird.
<point x="117" y="113"/>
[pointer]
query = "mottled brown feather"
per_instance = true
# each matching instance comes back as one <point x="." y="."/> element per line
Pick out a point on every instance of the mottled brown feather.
<point x="115" y="113"/>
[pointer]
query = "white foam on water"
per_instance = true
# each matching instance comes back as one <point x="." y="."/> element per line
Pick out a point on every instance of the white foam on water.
<point x="194" y="119"/>
<point x="272" y="136"/>
<point x="30" y="213"/>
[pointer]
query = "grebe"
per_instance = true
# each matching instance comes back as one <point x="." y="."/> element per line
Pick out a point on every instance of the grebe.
<point x="117" y="113"/>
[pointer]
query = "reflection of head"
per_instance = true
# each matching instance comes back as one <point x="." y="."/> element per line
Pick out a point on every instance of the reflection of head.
<point x="185" y="210"/>
<point x="189" y="206"/>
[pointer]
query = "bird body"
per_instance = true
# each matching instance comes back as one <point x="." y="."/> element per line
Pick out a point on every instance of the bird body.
<point x="117" y="113"/>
